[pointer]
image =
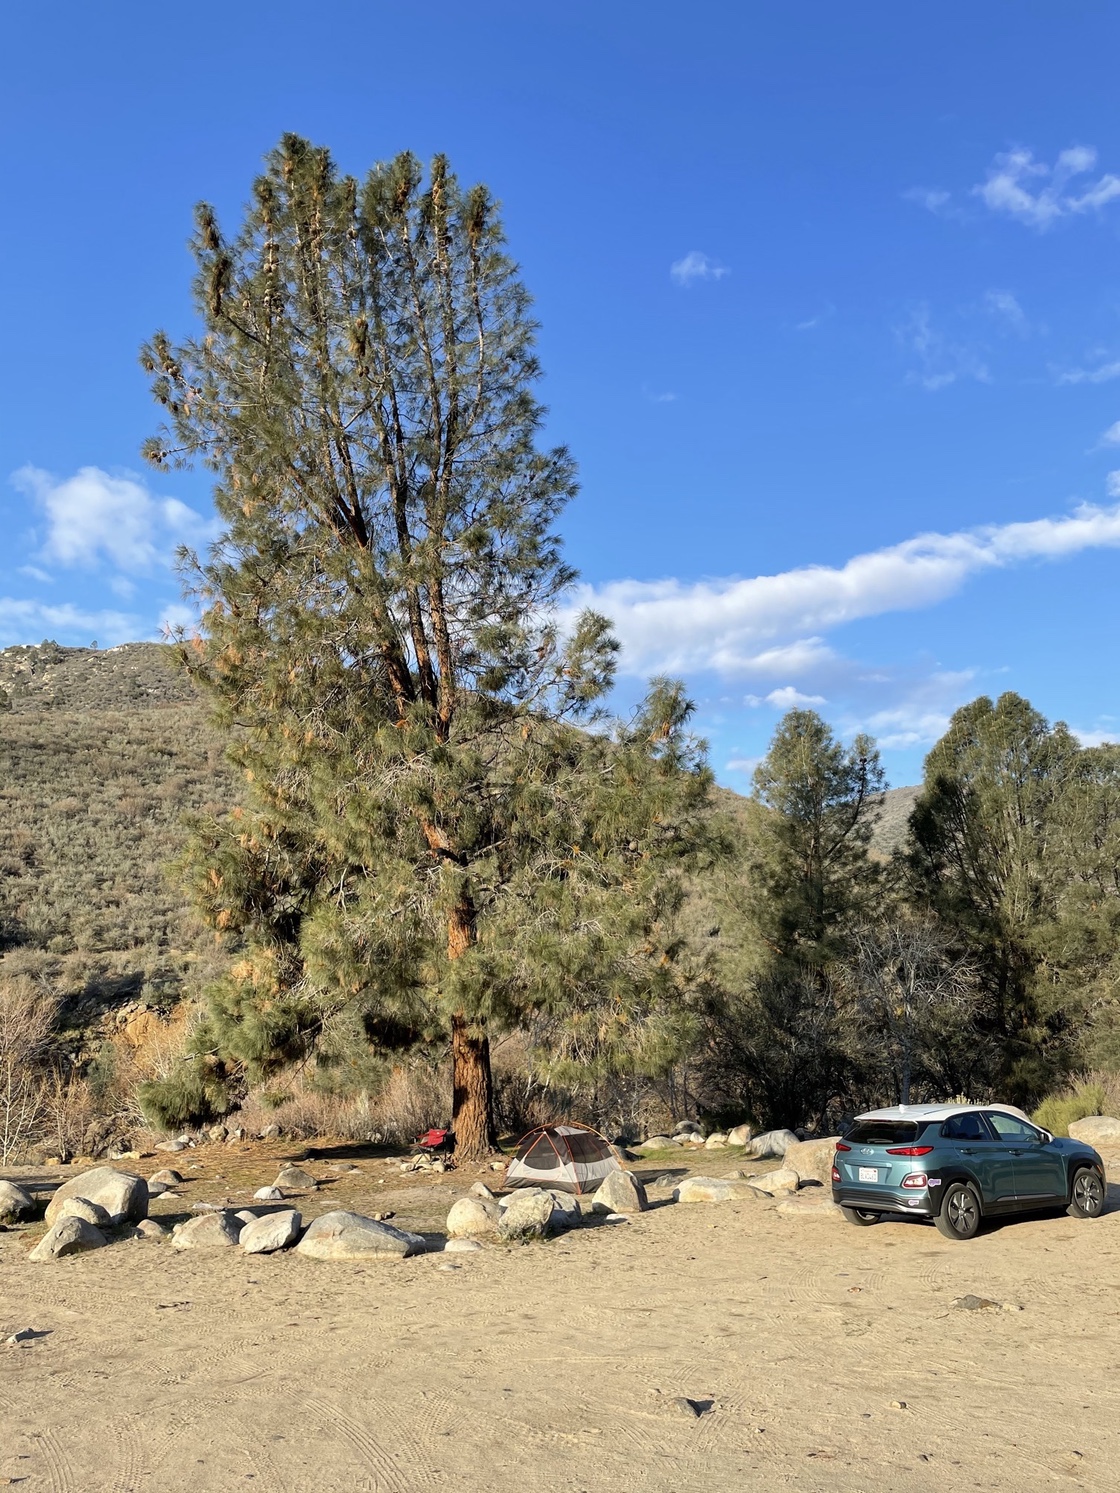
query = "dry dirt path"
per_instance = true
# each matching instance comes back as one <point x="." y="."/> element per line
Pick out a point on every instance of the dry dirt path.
<point x="555" y="1366"/>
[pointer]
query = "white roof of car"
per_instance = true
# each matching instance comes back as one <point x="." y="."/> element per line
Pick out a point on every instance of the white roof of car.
<point x="935" y="1111"/>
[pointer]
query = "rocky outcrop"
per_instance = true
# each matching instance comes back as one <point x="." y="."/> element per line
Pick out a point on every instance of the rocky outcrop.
<point x="620" y="1192"/>
<point x="70" y="1236"/>
<point x="350" y="1236"/>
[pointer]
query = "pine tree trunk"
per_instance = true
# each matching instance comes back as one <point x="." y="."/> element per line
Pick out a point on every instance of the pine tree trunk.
<point x="472" y="1087"/>
<point x="472" y="1092"/>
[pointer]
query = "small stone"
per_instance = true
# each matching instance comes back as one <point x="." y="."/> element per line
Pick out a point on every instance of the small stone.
<point x="208" y="1231"/>
<point x="620" y="1192"/>
<point x="270" y="1132"/>
<point x="977" y="1304"/>
<point x="168" y="1177"/>
<point x="687" y="1127"/>
<point x="816" y="1203"/>
<point x="148" y="1228"/>
<point x="70" y="1236"/>
<point x="14" y="1203"/>
<point x="268" y="1195"/>
<point x="498" y="1166"/>
<point x="449" y="1265"/>
<point x="716" y="1141"/>
<point x="460" y="1246"/>
<point x="274" y="1231"/>
<point x="899" y="1405"/>
<point x="740" y="1135"/>
<point x="481" y="1191"/>
<point x="82" y="1208"/>
<point x="171" y="1145"/>
<point x="246" y="1215"/>
<point x="235" y="1137"/>
<point x="656" y="1143"/>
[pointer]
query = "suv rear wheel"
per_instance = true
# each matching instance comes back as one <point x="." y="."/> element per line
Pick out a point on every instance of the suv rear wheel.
<point x="862" y="1216"/>
<point x="1086" y="1198"/>
<point x="960" y="1212"/>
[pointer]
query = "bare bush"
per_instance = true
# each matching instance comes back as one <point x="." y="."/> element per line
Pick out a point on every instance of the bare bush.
<point x="27" y="1020"/>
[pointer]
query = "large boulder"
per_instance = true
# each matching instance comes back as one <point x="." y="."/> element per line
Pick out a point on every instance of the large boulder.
<point x="812" y="1159"/>
<point x="620" y="1192"/>
<point x="716" y="1141"/>
<point x="1096" y="1130"/>
<point x="168" y="1177"/>
<point x="740" y="1135"/>
<point x="350" y="1236"/>
<point x="296" y="1178"/>
<point x="771" y="1143"/>
<point x="714" y="1190"/>
<point x="70" y="1236"/>
<point x="687" y="1127"/>
<point x="14" y="1203"/>
<point x="527" y="1214"/>
<point x="472" y="1217"/>
<point x="656" y="1143"/>
<point x="208" y="1231"/>
<point x="123" y="1195"/>
<point x="785" y="1179"/>
<point x="566" y="1212"/>
<point x="274" y="1231"/>
<point x="93" y="1213"/>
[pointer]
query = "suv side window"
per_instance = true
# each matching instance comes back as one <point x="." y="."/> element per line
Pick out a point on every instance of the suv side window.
<point x="1011" y="1131"/>
<point x="967" y="1126"/>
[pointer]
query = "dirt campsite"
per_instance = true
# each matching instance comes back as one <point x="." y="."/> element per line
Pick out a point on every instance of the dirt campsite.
<point x="692" y="1345"/>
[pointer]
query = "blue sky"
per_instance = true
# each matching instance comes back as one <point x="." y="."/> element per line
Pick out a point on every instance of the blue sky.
<point x="830" y="305"/>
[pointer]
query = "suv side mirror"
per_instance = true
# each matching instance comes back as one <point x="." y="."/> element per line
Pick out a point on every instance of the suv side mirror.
<point x="1044" y="1137"/>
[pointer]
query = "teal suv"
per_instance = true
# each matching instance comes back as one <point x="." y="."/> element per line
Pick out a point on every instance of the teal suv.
<point x="958" y="1164"/>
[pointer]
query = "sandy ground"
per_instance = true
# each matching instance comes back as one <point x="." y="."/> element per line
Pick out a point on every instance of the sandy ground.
<point x="832" y="1357"/>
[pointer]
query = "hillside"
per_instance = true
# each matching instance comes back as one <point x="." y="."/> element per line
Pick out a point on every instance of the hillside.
<point x="101" y="753"/>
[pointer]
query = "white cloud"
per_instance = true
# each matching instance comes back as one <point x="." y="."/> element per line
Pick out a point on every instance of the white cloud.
<point x="742" y="764"/>
<point x="1103" y="374"/>
<point x="696" y="266"/>
<point x="773" y="625"/>
<point x="93" y="516"/>
<point x="786" y="698"/>
<point x="1092" y="737"/>
<point x="1037" y="194"/>
<point x="1111" y="436"/>
<point x="654" y="398"/>
<point x="22" y="620"/>
<point x="35" y="574"/>
<point x="1002" y="303"/>
<point x="942" y="361"/>
<point x="1112" y="484"/>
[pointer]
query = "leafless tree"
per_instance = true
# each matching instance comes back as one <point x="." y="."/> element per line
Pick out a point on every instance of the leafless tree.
<point x="27" y="1019"/>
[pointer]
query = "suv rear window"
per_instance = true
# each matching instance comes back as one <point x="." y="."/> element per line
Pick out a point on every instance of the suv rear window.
<point x="882" y="1132"/>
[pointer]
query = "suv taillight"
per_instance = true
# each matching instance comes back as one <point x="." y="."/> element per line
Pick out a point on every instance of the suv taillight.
<point x="836" y="1177"/>
<point x="909" y="1150"/>
<point x="916" y="1179"/>
<point x="840" y="1146"/>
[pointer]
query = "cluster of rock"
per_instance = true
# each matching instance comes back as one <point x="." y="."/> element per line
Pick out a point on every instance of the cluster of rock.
<point x="769" y="1144"/>
<point x="216" y="1135"/>
<point x="536" y="1212"/>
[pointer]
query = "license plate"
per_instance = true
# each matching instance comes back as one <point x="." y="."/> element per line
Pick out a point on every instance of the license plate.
<point x="869" y="1174"/>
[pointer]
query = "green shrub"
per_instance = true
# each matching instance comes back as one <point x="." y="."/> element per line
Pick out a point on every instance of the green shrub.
<point x="1060" y="1111"/>
<point x="192" y="1094"/>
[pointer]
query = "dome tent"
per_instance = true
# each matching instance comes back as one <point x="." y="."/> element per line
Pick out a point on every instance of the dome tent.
<point x="569" y="1158"/>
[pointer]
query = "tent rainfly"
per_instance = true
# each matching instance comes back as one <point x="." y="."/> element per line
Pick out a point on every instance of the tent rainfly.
<point x="570" y="1158"/>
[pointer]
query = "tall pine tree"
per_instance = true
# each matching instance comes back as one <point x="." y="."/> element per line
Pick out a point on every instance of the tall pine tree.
<point x="432" y="839"/>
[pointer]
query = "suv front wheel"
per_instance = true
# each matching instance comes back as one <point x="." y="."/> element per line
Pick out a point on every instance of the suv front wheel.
<point x="1086" y="1198"/>
<point x="960" y="1212"/>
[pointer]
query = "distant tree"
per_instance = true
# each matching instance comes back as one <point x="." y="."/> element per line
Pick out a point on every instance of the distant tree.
<point x="431" y="838"/>
<point x="812" y="875"/>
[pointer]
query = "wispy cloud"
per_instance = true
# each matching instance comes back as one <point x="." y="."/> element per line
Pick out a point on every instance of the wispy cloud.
<point x="668" y="397"/>
<point x="94" y="517"/>
<point x="1039" y="195"/>
<point x="931" y="198"/>
<point x="774" y="625"/>
<point x="811" y="323"/>
<point x="1104" y="373"/>
<point x="696" y="266"/>
<point x="942" y="361"/>
<point x="1111" y="436"/>
<point x="1006" y="308"/>
<point x="22" y="620"/>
